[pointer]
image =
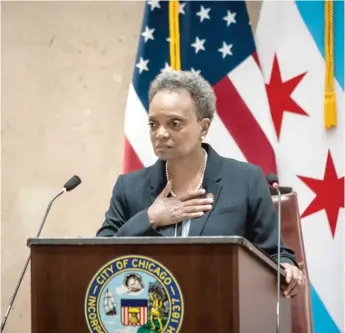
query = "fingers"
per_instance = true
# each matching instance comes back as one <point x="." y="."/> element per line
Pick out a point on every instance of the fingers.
<point x="288" y="275"/>
<point x="292" y="276"/>
<point x="190" y="216"/>
<point x="289" y="289"/>
<point x="198" y="202"/>
<point x="195" y="209"/>
<point x="196" y="206"/>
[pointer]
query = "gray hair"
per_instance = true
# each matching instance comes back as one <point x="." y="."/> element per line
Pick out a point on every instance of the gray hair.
<point x="199" y="89"/>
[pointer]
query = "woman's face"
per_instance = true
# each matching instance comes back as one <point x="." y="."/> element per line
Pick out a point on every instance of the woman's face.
<point x="174" y="128"/>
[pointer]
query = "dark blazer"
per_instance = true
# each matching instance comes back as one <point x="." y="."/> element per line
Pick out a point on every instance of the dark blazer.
<point x="242" y="205"/>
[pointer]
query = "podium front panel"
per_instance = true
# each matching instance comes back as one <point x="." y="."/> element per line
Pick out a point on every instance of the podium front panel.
<point x="146" y="288"/>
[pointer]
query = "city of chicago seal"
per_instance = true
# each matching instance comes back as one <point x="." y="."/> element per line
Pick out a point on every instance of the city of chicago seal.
<point x="134" y="294"/>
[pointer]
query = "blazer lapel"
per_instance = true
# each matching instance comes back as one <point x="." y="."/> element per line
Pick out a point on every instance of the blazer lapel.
<point x="212" y="184"/>
<point x="197" y="225"/>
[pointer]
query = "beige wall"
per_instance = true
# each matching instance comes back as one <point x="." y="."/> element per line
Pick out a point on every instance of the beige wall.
<point x="66" y="67"/>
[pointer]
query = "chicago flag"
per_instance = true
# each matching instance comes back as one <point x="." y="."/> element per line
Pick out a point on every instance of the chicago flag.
<point x="290" y="47"/>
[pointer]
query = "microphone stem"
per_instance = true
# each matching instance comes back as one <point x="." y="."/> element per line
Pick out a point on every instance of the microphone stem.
<point x="27" y="261"/>
<point x="279" y="248"/>
<point x="47" y="211"/>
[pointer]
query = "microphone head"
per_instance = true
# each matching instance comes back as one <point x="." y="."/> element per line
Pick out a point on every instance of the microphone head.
<point x="72" y="183"/>
<point x="272" y="179"/>
<point x="273" y="182"/>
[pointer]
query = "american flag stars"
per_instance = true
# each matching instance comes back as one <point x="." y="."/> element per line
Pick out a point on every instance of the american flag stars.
<point x="181" y="8"/>
<point x="195" y="70"/>
<point x="142" y="65"/>
<point x="153" y="4"/>
<point x="230" y="18"/>
<point x="213" y="37"/>
<point x="225" y="50"/>
<point x="167" y="67"/>
<point x="148" y="34"/>
<point x="199" y="44"/>
<point x="204" y="13"/>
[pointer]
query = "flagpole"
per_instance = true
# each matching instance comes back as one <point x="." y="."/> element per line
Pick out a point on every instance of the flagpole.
<point x="330" y="114"/>
<point x="174" y="30"/>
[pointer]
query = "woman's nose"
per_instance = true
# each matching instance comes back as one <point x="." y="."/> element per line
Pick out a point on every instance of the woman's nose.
<point x="162" y="132"/>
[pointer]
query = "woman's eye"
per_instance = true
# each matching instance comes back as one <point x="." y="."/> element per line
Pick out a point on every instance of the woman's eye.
<point x="176" y="123"/>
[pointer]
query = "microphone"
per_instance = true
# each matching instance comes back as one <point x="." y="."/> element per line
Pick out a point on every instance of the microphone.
<point x="72" y="183"/>
<point x="272" y="180"/>
<point x="69" y="185"/>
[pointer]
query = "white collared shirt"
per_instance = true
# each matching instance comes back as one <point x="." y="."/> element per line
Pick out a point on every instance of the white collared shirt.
<point x="185" y="228"/>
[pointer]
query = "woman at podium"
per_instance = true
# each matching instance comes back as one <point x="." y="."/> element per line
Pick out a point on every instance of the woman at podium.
<point x="191" y="190"/>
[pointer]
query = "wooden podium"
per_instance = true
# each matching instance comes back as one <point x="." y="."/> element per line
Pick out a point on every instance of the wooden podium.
<point x="187" y="285"/>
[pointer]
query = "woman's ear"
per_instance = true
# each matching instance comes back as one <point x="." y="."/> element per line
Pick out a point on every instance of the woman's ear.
<point x="205" y="125"/>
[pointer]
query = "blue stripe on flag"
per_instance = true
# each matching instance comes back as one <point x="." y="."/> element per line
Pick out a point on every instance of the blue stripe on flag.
<point x="312" y="13"/>
<point x="323" y="323"/>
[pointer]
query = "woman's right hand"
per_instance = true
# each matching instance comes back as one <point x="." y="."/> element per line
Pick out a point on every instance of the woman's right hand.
<point x="171" y="210"/>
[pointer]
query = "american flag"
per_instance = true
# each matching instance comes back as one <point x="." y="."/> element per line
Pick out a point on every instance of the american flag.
<point x="216" y="40"/>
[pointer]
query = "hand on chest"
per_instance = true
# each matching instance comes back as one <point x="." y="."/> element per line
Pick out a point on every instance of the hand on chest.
<point x="226" y="217"/>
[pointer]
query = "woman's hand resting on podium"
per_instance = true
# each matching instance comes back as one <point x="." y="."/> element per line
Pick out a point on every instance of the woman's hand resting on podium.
<point x="167" y="210"/>
<point x="294" y="280"/>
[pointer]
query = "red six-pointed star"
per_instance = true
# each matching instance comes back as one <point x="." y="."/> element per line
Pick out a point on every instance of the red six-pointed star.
<point x="329" y="194"/>
<point x="279" y="96"/>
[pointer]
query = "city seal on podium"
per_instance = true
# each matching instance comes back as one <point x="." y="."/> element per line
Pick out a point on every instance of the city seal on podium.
<point x="134" y="294"/>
